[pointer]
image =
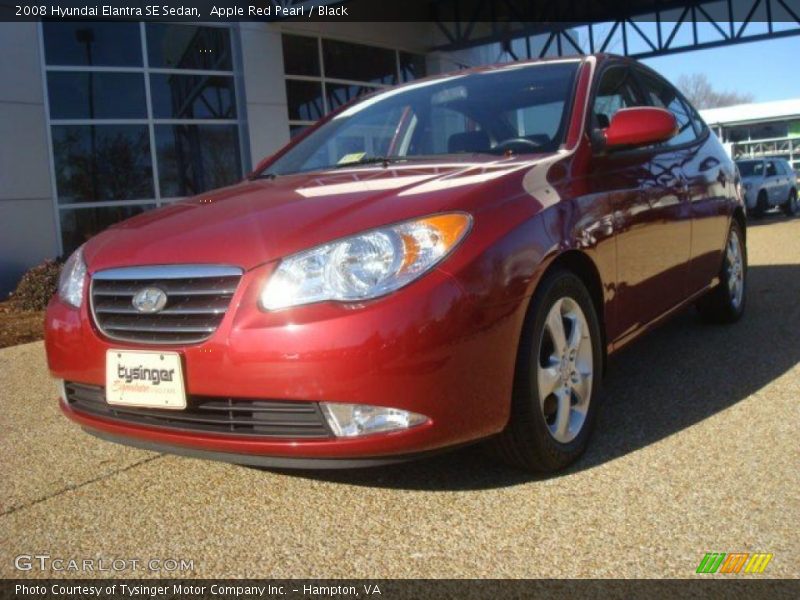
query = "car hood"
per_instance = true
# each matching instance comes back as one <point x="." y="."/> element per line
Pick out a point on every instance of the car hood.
<point x="258" y="221"/>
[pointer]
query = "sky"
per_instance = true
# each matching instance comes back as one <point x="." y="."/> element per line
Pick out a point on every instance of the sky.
<point x="767" y="69"/>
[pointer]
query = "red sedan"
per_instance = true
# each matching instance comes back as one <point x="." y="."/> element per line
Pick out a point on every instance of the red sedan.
<point x="446" y="261"/>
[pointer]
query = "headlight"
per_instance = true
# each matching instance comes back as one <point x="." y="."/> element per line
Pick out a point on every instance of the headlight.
<point x="352" y="420"/>
<point x="70" y="282"/>
<point x="747" y="186"/>
<point x="367" y="265"/>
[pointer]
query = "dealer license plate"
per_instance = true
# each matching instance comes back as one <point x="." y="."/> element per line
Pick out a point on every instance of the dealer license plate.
<point x="145" y="378"/>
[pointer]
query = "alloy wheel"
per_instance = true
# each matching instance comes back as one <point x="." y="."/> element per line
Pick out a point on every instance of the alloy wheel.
<point x="735" y="269"/>
<point x="565" y="370"/>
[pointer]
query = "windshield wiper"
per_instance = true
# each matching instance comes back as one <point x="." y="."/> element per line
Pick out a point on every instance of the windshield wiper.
<point x="367" y="160"/>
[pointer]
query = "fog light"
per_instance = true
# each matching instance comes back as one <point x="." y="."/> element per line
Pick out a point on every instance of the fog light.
<point x="62" y="389"/>
<point x="351" y="420"/>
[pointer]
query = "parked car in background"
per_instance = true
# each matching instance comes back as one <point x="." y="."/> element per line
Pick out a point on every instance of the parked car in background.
<point x="768" y="182"/>
<point x="446" y="261"/>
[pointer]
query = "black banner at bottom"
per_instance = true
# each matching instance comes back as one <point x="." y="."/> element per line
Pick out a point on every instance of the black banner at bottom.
<point x="391" y="589"/>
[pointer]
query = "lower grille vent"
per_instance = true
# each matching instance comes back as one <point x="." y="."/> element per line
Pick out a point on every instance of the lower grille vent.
<point x="229" y="416"/>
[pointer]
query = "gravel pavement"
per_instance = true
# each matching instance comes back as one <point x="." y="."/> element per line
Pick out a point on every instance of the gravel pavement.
<point x="696" y="450"/>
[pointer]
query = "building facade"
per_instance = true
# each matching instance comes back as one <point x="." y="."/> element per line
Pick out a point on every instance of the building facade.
<point x="763" y="129"/>
<point x="102" y="121"/>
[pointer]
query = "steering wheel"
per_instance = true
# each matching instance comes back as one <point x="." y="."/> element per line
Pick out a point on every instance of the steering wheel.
<point x="518" y="144"/>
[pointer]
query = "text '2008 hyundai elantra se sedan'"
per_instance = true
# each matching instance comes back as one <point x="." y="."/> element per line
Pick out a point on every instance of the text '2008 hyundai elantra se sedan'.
<point x="446" y="261"/>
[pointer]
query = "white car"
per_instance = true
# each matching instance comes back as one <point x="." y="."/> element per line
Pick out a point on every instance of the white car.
<point x="768" y="182"/>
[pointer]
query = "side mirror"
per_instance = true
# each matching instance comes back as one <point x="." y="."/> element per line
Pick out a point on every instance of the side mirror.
<point x="639" y="126"/>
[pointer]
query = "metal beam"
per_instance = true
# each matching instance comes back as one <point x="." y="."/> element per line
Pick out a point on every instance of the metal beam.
<point x="731" y="20"/>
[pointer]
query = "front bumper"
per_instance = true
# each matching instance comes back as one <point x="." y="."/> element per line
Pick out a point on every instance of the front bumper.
<point x="258" y="460"/>
<point x="428" y="349"/>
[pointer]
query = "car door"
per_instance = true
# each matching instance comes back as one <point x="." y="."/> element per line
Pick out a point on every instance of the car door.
<point x="772" y="182"/>
<point x="650" y="213"/>
<point x="708" y="177"/>
<point x="784" y="181"/>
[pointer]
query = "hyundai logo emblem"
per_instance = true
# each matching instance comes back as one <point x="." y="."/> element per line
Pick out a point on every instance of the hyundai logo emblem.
<point x="149" y="300"/>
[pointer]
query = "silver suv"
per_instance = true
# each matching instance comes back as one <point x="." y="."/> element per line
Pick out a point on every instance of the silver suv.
<point x="768" y="182"/>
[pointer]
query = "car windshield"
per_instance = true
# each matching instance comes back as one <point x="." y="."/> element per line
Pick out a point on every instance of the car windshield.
<point x="749" y="168"/>
<point x="518" y="109"/>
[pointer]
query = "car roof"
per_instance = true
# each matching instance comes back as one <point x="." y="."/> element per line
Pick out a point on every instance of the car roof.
<point x="764" y="159"/>
<point x="600" y="57"/>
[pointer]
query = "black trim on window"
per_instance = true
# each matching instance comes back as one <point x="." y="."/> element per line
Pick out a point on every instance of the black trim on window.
<point x="700" y="136"/>
<point x="634" y="66"/>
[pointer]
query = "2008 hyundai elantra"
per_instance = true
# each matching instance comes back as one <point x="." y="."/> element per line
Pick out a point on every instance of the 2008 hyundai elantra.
<point x="438" y="263"/>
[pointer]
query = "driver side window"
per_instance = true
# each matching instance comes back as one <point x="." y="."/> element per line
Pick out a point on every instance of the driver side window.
<point x="616" y="90"/>
<point x="771" y="172"/>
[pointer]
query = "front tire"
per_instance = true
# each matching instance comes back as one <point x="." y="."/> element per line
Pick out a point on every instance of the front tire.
<point x="557" y="384"/>
<point x="725" y="303"/>
<point x="790" y="206"/>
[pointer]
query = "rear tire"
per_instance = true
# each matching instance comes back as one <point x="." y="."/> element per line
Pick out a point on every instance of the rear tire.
<point x="761" y="205"/>
<point x="725" y="303"/>
<point x="557" y="387"/>
<point x="790" y="206"/>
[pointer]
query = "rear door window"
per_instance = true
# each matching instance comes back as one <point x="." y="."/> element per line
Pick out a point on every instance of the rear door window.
<point x="750" y="168"/>
<point x="771" y="170"/>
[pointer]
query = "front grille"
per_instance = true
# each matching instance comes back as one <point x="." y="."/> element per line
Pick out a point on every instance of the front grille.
<point x="203" y="414"/>
<point x="197" y="299"/>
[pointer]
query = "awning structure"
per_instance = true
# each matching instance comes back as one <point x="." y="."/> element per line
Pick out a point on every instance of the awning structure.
<point x="538" y="28"/>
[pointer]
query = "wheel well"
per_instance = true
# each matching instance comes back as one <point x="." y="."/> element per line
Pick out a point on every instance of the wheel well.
<point x="583" y="266"/>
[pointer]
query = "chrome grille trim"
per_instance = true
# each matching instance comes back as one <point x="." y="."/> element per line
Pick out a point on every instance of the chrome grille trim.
<point x="198" y="299"/>
<point x="166" y="272"/>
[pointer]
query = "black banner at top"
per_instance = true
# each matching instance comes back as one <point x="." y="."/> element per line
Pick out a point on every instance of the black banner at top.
<point x="498" y="12"/>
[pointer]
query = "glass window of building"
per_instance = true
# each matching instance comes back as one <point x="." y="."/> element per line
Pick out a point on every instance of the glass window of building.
<point x="78" y="43"/>
<point x="300" y="55"/>
<point x="102" y="163"/>
<point x="140" y="114"/>
<point x="195" y="158"/>
<point x="356" y="62"/>
<point x="96" y="95"/>
<point x="189" y="47"/>
<point x="305" y="100"/>
<point x="412" y="66"/>
<point x="323" y="75"/>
